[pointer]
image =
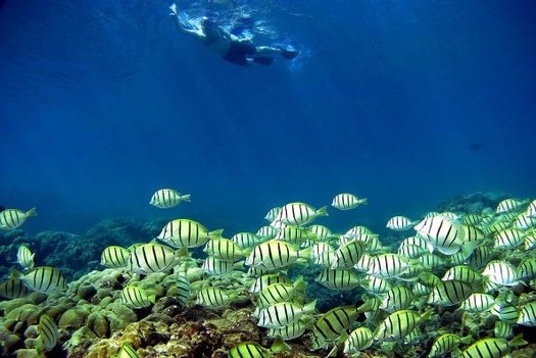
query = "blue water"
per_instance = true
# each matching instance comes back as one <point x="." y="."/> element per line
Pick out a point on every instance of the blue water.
<point x="407" y="103"/>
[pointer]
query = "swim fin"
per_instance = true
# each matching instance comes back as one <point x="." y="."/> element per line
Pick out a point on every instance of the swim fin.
<point x="289" y="54"/>
<point x="263" y="60"/>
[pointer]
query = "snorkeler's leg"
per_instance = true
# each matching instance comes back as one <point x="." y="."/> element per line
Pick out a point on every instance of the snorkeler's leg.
<point x="270" y="50"/>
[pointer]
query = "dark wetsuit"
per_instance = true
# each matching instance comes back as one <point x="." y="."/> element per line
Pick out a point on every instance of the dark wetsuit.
<point x="239" y="52"/>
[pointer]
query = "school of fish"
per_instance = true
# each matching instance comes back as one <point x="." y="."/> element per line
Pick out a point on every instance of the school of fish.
<point x="482" y="265"/>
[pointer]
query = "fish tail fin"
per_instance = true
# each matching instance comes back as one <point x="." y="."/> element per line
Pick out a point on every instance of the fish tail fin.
<point x="323" y="211"/>
<point x="216" y="234"/>
<point x="310" y="307"/>
<point x="187" y="198"/>
<point x="279" y="345"/>
<point x="31" y="212"/>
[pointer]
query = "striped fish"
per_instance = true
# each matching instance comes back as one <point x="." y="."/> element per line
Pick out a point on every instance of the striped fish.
<point x="14" y="288"/>
<point x="275" y="254"/>
<point x="374" y="285"/>
<point x="14" y="218"/>
<point x="446" y="343"/>
<point x="183" y="289"/>
<point x="478" y="303"/>
<point x="127" y="351"/>
<point x="331" y="325"/>
<point x="214" y="298"/>
<point x="135" y="297"/>
<point x="248" y="350"/>
<point x="501" y="273"/>
<point x="216" y="267"/>
<point x="48" y="332"/>
<point x="295" y="235"/>
<point x="509" y="205"/>
<point x="338" y="279"/>
<point x="289" y="332"/>
<point x="509" y="239"/>
<point x="462" y="273"/>
<point x="449" y="293"/>
<point x="272" y="214"/>
<point x="388" y="266"/>
<point x="492" y="347"/>
<point x="480" y="257"/>
<point x="282" y="314"/>
<point x="530" y="240"/>
<point x="396" y="299"/>
<point x="527" y="270"/>
<point x="149" y="258"/>
<point x="267" y="280"/>
<point x="168" y="198"/>
<point x="299" y="214"/>
<point x="444" y="234"/>
<point x="320" y="232"/>
<point x="25" y="257"/>
<point x="411" y="251"/>
<point x="397" y="326"/>
<point x="527" y="315"/>
<point x="364" y="263"/>
<point x="505" y="311"/>
<point x="186" y="233"/>
<point x="115" y="257"/>
<point x="347" y="201"/>
<point x="524" y="222"/>
<point x="223" y="249"/>
<point x="245" y="240"/>
<point x="531" y="209"/>
<point x="503" y="330"/>
<point x="45" y="279"/>
<point x="399" y="223"/>
<point x="282" y="292"/>
<point x="266" y="232"/>
<point x="346" y="256"/>
<point x="360" y="339"/>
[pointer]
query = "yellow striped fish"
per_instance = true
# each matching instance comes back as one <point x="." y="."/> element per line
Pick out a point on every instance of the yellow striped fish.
<point x="275" y="254"/>
<point x="450" y="292"/>
<point x="186" y="233"/>
<point x="527" y="315"/>
<point x="289" y="332"/>
<point x="217" y="267"/>
<point x="331" y="325"/>
<point x="360" y="339"/>
<point x="299" y="214"/>
<point x="282" y="314"/>
<point x="14" y="288"/>
<point x="183" y="289"/>
<point x="135" y="297"/>
<point x="267" y="280"/>
<point x="492" y="347"/>
<point x="25" y="257"/>
<point x="282" y="292"/>
<point x="168" y="198"/>
<point x="338" y="279"/>
<point x="45" y="279"/>
<point x="347" y="201"/>
<point x="447" y="343"/>
<point x="223" y="249"/>
<point x="14" y="218"/>
<point x="212" y="297"/>
<point x="397" y="326"/>
<point x="149" y="258"/>
<point x="248" y="350"/>
<point x="115" y="257"/>
<point x="399" y="223"/>
<point x="48" y="333"/>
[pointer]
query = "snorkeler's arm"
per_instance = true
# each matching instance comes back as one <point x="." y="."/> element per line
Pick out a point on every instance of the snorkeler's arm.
<point x="180" y="25"/>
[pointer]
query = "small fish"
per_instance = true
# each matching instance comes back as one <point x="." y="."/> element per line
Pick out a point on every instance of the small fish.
<point x="272" y="214"/>
<point x="115" y="257"/>
<point x="282" y="292"/>
<point x="509" y="205"/>
<point x="168" y="198"/>
<point x="275" y="254"/>
<point x="346" y="256"/>
<point x="397" y="326"/>
<point x="266" y="232"/>
<point x="505" y="311"/>
<point x="531" y="209"/>
<point x="389" y="266"/>
<point x="149" y="258"/>
<point x="400" y="223"/>
<point x="527" y="315"/>
<point x="214" y="298"/>
<point x="320" y="232"/>
<point x="48" y="332"/>
<point x="360" y="339"/>
<point x="374" y="285"/>
<point x="527" y="270"/>
<point x="492" y="347"/>
<point x="347" y="201"/>
<point x="248" y="350"/>
<point x="186" y="233"/>
<point x="45" y="279"/>
<point x="396" y="299"/>
<point x="501" y="273"/>
<point x="183" y="289"/>
<point x="503" y="330"/>
<point x="127" y="351"/>
<point x="524" y="222"/>
<point x="450" y="292"/>
<point x="338" y="279"/>
<point x="245" y="240"/>
<point x="292" y="234"/>
<point x="299" y="214"/>
<point x="135" y="297"/>
<point x="478" y="303"/>
<point x="332" y="325"/>
<point x="223" y="249"/>
<point x="14" y="288"/>
<point x="509" y="239"/>
<point x="289" y="332"/>
<point x="217" y="267"/>
<point x="447" y="343"/>
<point x="282" y="314"/>
<point x="14" y="218"/>
<point x="462" y="273"/>
<point x="266" y="280"/>
<point x="25" y="257"/>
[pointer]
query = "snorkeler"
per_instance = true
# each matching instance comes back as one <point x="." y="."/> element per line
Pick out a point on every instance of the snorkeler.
<point x="238" y="50"/>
